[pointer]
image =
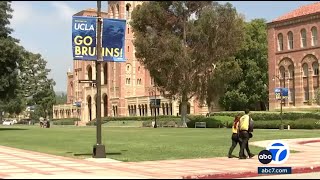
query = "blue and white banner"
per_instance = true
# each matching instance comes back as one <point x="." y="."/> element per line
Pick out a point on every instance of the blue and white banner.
<point x="84" y="39"/>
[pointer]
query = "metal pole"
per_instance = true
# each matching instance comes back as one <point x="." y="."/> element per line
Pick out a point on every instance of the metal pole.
<point x="281" y="126"/>
<point x="99" y="149"/>
<point x="155" y="107"/>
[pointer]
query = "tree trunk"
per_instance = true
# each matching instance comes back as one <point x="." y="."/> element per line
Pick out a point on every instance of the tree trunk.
<point x="184" y="109"/>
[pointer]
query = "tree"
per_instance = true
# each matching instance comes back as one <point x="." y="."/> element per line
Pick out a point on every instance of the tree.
<point x="9" y="54"/>
<point x="37" y="87"/>
<point x="61" y="99"/>
<point x="179" y="41"/>
<point x="250" y="90"/>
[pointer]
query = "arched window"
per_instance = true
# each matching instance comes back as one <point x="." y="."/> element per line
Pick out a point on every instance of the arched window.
<point x="282" y="72"/>
<point x="315" y="67"/>
<point x="303" y="35"/>
<point x="291" y="71"/>
<point x="113" y="11"/>
<point x="128" y="9"/>
<point x="314" y="33"/>
<point x="280" y="42"/>
<point x="118" y="10"/>
<point x="305" y="69"/>
<point x="290" y="40"/>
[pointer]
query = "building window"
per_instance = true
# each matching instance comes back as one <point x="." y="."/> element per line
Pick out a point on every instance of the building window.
<point x="118" y="10"/>
<point x="315" y="67"/>
<point x="127" y="80"/>
<point x="290" y="40"/>
<point x="282" y="72"/>
<point x="291" y="94"/>
<point x="306" y="94"/>
<point x="128" y="10"/>
<point x="305" y="69"/>
<point x="128" y="30"/>
<point x="152" y="81"/>
<point x="280" y="42"/>
<point x="291" y="71"/>
<point x="139" y="81"/>
<point x="314" y="33"/>
<point x="303" y="38"/>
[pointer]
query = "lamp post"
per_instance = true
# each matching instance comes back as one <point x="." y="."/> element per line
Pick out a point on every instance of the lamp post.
<point x="281" y="100"/>
<point x="99" y="148"/>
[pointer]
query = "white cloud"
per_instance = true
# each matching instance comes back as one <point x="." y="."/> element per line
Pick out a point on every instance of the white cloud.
<point x="64" y="11"/>
<point x="22" y="12"/>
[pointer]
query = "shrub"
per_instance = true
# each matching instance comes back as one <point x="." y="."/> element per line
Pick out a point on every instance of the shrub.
<point x="210" y="122"/>
<point x="67" y="121"/>
<point x="135" y="118"/>
<point x="269" y="116"/>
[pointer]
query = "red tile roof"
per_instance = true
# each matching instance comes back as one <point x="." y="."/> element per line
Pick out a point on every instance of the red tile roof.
<point x="301" y="11"/>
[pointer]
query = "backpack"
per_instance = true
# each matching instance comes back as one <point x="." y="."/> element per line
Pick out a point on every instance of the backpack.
<point x="251" y="122"/>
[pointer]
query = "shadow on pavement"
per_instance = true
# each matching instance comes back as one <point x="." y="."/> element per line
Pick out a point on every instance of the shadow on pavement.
<point x="90" y="154"/>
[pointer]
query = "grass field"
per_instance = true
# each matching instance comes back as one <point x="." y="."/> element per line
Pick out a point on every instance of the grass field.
<point x="135" y="144"/>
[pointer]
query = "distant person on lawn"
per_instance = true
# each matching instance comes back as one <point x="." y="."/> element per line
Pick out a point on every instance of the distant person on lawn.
<point x="245" y="129"/>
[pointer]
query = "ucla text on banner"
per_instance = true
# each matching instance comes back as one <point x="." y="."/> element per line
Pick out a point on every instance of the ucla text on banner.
<point x="84" y="39"/>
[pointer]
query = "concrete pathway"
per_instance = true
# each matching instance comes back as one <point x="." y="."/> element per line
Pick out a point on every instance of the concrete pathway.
<point x="18" y="164"/>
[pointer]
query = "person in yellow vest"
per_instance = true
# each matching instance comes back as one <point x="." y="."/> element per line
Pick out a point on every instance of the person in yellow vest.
<point x="234" y="136"/>
<point x="244" y="135"/>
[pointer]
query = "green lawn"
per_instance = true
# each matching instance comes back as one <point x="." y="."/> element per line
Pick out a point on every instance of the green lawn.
<point x="135" y="144"/>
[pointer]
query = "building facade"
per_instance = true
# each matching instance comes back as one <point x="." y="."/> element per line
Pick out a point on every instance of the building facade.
<point x="126" y="87"/>
<point x="293" y="57"/>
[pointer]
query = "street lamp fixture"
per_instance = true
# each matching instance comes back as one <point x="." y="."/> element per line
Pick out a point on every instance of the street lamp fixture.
<point x="281" y="101"/>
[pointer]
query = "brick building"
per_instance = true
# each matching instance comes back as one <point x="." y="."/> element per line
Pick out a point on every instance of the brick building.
<point x="126" y="87"/>
<point x="293" y="57"/>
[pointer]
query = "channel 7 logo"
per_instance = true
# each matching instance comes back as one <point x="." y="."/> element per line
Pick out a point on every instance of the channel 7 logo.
<point x="276" y="152"/>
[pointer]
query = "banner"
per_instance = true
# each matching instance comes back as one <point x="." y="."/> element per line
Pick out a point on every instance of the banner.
<point x="279" y="91"/>
<point x="84" y="39"/>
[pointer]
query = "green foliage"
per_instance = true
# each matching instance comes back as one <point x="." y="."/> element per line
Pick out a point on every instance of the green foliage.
<point x="179" y="51"/>
<point x="268" y="116"/>
<point x="210" y="122"/>
<point x="23" y="75"/>
<point x="164" y="123"/>
<point x="250" y="89"/>
<point x="37" y="87"/>
<point x="9" y="55"/>
<point x="135" y="118"/>
<point x="67" y="121"/>
<point x="61" y="98"/>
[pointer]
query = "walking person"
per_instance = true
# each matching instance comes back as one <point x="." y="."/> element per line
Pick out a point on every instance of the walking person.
<point x="244" y="134"/>
<point x="234" y="136"/>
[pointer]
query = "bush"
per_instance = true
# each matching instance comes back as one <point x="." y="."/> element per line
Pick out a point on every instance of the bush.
<point x="294" y="124"/>
<point x="174" y="122"/>
<point x="135" y="118"/>
<point x="211" y="122"/>
<point x="269" y="116"/>
<point x="67" y="121"/>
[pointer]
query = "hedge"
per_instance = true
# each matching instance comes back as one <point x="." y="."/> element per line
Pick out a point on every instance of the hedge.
<point x="134" y="118"/>
<point x="210" y="122"/>
<point x="164" y="123"/>
<point x="67" y="121"/>
<point x="267" y="116"/>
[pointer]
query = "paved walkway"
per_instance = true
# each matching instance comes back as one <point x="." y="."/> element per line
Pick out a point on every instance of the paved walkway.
<point x="18" y="164"/>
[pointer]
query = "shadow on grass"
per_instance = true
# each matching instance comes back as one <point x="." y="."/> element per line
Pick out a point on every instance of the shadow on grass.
<point x="6" y="129"/>
<point x="90" y="154"/>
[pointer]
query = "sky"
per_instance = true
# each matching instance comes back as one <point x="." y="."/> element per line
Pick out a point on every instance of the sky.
<point x="45" y="27"/>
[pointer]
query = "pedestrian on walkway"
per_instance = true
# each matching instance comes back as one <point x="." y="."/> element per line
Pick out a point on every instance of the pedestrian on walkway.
<point x="235" y="135"/>
<point x="244" y="134"/>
